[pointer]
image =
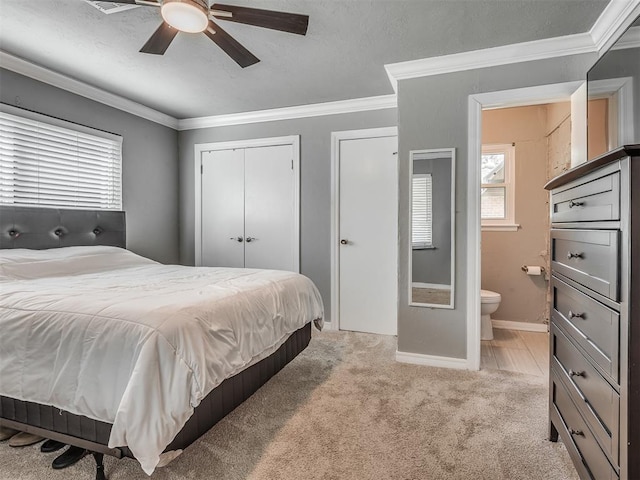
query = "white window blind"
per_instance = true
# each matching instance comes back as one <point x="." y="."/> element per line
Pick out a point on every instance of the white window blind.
<point x="52" y="163"/>
<point x="422" y="211"/>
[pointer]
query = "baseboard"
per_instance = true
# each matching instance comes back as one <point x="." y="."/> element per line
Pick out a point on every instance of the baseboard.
<point x="431" y="360"/>
<point x="524" y="326"/>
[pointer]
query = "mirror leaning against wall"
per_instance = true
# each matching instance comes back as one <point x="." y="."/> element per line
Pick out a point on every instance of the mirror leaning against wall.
<point x="432" y="239"/>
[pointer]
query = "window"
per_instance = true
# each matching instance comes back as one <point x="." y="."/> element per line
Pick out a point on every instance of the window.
<point x="51" y="163"/>
<point x="497" y="190"/>
<point x="421" y="213"/>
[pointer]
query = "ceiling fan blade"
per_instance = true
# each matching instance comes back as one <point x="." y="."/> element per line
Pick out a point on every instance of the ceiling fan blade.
<point x="285" y="22"/>
<point x="230" y="45"/>
<point x="160" y="40"/>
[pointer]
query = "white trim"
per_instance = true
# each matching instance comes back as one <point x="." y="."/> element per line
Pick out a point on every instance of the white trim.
<point x="432" y="360"/>
<point x="537" y="95"/>
<point x="613" y="20"/>
<point x="336" y="138"/>
<point x="439" y="286"/>
<point x="435" y="153"/>
<point x="507" y="227"/>
<point x="522" y="326"/>
<point x="623" y="87"/>
<point x="473" y="233"/>
<point x="287" y="113"/>
<point x="31" y="70"/>
<point x="491" y="57"/>
<point x="477" y="102"/>
<point x="200" y="148"/>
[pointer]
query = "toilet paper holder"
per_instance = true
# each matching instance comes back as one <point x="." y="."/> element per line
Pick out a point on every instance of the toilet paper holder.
<point x="525" y="269"/>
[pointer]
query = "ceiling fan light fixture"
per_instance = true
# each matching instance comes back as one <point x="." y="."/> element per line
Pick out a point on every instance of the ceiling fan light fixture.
<point x="189" y="16"/>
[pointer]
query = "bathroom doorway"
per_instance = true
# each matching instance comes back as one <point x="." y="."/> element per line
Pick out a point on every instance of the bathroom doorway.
<point x="523" y="147"/>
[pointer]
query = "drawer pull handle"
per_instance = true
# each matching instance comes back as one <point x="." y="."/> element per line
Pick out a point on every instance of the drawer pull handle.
<point x="576" y="432"/>
<point x="571" y="255"/>
<point x="573" y="373"/>
<point x="575" y="315"/>
<point x="574" y="203"/>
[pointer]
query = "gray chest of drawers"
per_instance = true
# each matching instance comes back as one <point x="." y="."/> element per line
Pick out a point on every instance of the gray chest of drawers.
<point x="594" y="378"/>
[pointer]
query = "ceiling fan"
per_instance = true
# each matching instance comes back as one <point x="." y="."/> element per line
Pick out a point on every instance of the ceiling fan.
<point x="195" y="16"/>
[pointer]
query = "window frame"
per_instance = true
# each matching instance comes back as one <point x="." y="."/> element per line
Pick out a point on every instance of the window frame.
<point x="508" y="223"/>
<point x="115" y="165"/>
<point x="423" y="245"/>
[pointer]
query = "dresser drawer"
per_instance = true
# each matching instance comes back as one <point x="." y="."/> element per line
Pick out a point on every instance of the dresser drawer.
<point x="590" y="257"/>
<point x="590" y="324"/>
<point x="597" y="401"/>
<point x="575" y="430"/>
<point x="596" y="200"/>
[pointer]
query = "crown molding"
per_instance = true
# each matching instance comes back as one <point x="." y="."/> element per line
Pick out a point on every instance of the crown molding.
<point x="42" y="74"/>
<point x="340" y="107"/>
<point x="491" y="57"/>
<point x="614" y="19"/>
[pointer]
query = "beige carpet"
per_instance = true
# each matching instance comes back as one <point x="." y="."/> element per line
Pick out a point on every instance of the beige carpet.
<point x="344" y="409"/>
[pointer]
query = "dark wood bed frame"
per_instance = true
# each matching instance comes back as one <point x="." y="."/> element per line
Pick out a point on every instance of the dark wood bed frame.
<point x="40" y="228"/>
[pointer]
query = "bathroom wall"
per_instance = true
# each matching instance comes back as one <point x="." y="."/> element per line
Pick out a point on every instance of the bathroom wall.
<point x="558" y="138"/>
<point x="524" y="297"/>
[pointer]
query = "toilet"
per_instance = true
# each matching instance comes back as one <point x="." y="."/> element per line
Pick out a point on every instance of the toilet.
<point x="489" y="303"/>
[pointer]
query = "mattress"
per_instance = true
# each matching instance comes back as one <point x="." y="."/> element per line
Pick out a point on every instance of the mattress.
<point x="75" y="429"/>
<point x="102" y="333"/>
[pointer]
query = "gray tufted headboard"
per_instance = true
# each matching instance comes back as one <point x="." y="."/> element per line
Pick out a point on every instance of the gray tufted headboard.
<point x="39" y="228"/>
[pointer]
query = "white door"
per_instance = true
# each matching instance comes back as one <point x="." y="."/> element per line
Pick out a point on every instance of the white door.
<point x="249" y="209"/>
<point x="270" y="208"/>
<point x="222" y="181"/>
<point x="368" y="233"/>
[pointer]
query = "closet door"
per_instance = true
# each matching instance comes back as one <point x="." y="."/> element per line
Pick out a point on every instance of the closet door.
<point x="223" y="208"/>
<point x="270" y="213"/>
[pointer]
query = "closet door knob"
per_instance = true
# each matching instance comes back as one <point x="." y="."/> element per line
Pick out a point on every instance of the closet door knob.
<point x="237" y="239"/>
<point x="575" y="315"/>
<point x="575" y="432"/>
<point x="571" y="255"/>
<point x="573" y="373"/>
<point x="344" y="241"/>
<point x="574" y="203"/>
<point x="251" y="239"/>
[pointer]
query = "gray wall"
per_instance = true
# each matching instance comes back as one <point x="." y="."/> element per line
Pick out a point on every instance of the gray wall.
<point x="149" y="160"/>
<point x="433" y="113"/>
<point x="433" y="265"/>
<point x="315" y="182"/>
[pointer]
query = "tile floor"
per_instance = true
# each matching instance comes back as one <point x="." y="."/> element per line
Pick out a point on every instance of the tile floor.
<point x="517" y="351"/>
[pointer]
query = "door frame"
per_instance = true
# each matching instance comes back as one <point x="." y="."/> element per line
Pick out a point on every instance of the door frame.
<point x="200" y="148"/>
<point x="336" y="138"/>
<point x="536" y="95"/>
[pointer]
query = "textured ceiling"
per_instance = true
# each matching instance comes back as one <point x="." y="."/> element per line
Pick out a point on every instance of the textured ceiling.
<point x="342" y="57"/>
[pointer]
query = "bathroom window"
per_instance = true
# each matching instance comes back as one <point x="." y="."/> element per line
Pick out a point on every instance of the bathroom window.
<point x="422" y="211"/>
<point x="497" y="195"/>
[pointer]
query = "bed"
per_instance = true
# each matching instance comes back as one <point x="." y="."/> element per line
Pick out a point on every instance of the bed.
<point x="120" y="355"/>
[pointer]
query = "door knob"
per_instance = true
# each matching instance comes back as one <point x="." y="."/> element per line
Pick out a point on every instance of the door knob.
<point x="237" y="239"/>
<point x="344" y="241"/>
<point x="251" y="239"/>
<point x="571" y="255"/>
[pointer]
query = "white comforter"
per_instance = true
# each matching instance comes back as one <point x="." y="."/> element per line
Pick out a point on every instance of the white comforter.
<point x="102" y="332"/>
